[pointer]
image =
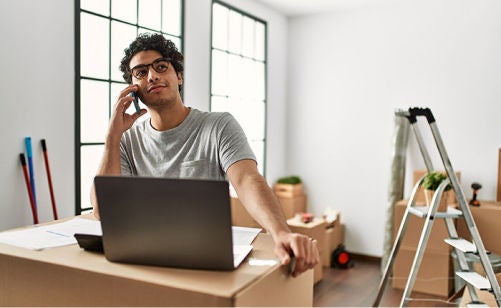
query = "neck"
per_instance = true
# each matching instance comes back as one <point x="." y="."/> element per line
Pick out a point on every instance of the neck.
<point x="169" y="117"/>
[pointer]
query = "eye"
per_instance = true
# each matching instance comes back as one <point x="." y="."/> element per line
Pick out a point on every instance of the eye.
<point x="161" y="66"/>
<point x="140" y="72"/>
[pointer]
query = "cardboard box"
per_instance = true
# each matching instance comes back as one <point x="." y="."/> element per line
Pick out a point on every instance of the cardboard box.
<point x="434" y="274"/>
<point x="318" y="272"/>
<point x="288" y="190"/>
<point x="69" y="276"/>
<point x="239" y="215"/>
<point x="292" y="206"/>
<point x="487" y="217"/>
<point x="314" y="229"/>
<point x="418" y="174"/>
<point x="414" y="229"/>
<point x="334" y="236"/>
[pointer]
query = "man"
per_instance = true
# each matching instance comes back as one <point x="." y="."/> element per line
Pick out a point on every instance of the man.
<point x="179" y="141"/>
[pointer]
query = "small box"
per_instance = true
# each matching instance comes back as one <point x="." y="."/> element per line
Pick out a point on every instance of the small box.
<point x="414" y="229"/>
<point x="487" y="217"/>
<point x="418" y="174"/>
<point x="292" y="206"/>
<point x="239" y="215"/>
<point x="434" y="275"/>
<point x="318" y="272"/>
<point x="334" y="236"/>
<point x="314" y="229"/>
<point x="288" y="190"/>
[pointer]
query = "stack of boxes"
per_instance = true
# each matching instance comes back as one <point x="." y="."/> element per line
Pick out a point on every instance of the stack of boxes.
<point x="435" y="274"/>
<point x="292" y="199"/>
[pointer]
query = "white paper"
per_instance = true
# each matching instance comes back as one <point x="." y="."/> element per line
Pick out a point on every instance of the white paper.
<point x="62" y="234"/>
<point x="243" y="235"/>
<point x="49" y="236"/>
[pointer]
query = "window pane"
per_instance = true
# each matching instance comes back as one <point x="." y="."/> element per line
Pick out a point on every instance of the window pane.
<point x="235" y="32"/>
<point x="176" y="40"/>
<point x="142" y="30"/>
<point x="258" y="75"/>
<point x="260" y="41"/>
<point x="94" y="46"/>
<point x="97" y="6"/>
<point x="171" y="19"/>
<point x="219" y="72"/>
<point x="150" y="14"/>
<point x="236" y="76"/>
<point x="94" y="112"/>
<point x="90" y="157"/>
<point x="220" y="27"/>
<point x="125" y="10"/>
<point x="121" y="36"/>
<point x="248" y="39"/>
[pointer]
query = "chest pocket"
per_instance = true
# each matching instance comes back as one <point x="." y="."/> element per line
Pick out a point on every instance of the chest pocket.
<point x="197" y="169"/>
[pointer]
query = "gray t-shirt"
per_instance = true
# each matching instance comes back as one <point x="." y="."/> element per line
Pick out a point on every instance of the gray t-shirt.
<point x="203" y="146"/>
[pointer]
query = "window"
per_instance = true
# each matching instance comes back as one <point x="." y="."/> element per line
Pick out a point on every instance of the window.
<point x="238" y="68"/>
<point x="104" y="28"/>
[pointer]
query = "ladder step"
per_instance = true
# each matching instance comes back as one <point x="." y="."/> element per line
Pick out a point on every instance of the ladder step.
<point x="462" y="244"/>
<point x="476" y="280"/>
<point x="422" y="211"/>
<point x="477" y="305"/>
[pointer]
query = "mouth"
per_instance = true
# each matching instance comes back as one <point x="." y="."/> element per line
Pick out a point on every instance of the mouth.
<point x="155" y="88"/>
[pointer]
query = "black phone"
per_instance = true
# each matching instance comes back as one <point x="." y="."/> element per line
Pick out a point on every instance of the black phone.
<point x="90" y="242"/>
<point x="136" y="102"/>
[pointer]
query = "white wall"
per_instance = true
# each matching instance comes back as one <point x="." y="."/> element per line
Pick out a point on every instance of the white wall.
<point x="349" y="70"/>
<point x="37" y="86"/>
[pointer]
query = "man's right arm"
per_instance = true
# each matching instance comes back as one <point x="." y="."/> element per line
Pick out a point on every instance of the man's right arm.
<point x="120" y="121"/>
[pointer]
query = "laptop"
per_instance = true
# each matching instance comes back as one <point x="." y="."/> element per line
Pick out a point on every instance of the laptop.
<point x="183" y="223"/>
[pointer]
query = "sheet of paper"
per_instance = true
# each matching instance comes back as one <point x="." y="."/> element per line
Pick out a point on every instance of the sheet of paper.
<point x="239" y="253"/>
<point x="49" y="236"/>
<point x="243" y="235"/>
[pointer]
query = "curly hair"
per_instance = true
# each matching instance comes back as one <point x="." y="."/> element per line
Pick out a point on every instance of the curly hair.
<point x="152" y="41"/>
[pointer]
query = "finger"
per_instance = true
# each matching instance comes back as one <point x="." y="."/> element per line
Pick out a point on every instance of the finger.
<point x="135" y="116"/>
<point x="282" y="254"/>
<point x="126" y="91"/>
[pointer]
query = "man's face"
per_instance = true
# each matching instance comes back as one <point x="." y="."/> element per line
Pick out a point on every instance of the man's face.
<point x="156" y="77"/>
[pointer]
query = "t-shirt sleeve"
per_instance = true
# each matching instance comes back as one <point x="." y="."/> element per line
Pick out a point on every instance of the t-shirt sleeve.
<point x="233" y="144"/>
<point x="125" y="165"/>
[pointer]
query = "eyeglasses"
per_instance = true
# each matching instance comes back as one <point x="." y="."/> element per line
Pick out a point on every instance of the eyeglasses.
<point x="159" y="65"/>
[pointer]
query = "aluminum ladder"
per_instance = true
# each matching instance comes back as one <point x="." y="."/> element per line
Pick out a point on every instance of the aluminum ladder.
<point x="429" y="213"/>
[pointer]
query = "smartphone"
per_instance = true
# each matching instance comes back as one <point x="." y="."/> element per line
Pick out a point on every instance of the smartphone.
<point x="136" y="102"/>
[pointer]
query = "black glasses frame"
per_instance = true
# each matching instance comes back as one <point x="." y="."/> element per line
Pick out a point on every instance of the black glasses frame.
<point x="154" y="65"/>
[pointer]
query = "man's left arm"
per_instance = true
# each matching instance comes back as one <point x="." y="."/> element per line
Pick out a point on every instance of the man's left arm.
<point x="257" y="197"/>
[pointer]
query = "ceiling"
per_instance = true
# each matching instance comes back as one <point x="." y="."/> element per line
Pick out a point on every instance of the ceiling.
<point x="305" y="7"/>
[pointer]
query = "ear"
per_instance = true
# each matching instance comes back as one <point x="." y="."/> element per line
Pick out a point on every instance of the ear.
<point x="179" y="78"/>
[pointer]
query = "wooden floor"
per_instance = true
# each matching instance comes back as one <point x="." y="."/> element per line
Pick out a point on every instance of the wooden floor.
<point x="358" y="287"/>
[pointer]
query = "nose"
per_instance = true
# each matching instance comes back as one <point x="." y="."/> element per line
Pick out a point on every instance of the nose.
<point x="152" y="74"/>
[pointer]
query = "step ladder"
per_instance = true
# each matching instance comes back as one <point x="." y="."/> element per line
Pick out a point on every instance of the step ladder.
<point x="429" y="213"/>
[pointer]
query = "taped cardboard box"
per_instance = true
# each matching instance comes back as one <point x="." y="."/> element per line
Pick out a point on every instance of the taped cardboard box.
<point x="334" y="236"/>
<point x="418" y="174"/>
<point x="239" y="215"/>
<point x="81" y="278"/>
<point x="434" y="275"/>
<point x="288" y="190"/>
<point x="487" y="217"/>
<point x="314" y="229"/>
<point x="292" y="206"/>
<point x="415" y="226"/>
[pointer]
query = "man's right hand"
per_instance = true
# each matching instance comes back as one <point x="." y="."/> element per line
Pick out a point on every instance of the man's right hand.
<point x="121" y="121"/>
